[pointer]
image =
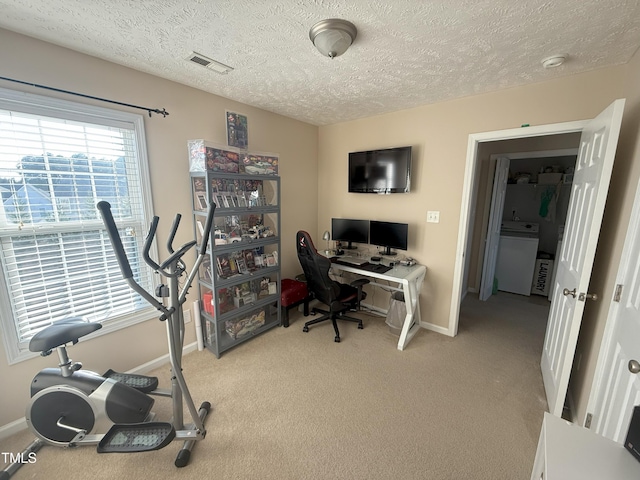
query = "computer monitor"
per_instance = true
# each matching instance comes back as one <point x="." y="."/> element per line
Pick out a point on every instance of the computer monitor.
<point x="348" y="230"/>
<point x="389" y="235"/>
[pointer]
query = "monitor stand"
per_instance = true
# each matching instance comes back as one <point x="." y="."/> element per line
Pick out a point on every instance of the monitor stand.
<point x="349" y="247"/>
<point x="388" y="253"/>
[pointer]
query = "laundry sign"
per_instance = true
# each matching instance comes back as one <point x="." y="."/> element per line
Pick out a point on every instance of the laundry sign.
<point x="542" y="277"/>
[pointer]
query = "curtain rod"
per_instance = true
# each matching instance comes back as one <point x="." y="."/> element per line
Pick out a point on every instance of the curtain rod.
<point x="162" y="112"/>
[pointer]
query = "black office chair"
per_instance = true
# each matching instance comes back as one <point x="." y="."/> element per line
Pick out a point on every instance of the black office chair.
<point x="339" y="297"/>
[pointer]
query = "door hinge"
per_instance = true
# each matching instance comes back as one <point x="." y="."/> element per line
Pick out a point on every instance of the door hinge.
<point x="618" y="293"/>
<point x="587" y="422"/>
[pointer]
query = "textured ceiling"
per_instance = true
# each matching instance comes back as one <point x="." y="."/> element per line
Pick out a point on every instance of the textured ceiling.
<point x="407" y="53"/>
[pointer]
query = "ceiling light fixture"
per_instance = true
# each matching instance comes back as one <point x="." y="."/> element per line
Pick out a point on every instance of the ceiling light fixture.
<point x="209" y="63"/>
<point x="554" y="61"/>
<point x="333" y="37"/>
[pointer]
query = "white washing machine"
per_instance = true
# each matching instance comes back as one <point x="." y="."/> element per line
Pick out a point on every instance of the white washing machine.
<point x="517" y="254"/>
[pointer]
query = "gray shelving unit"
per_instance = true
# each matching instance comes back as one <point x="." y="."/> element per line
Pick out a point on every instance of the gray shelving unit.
<point x="239" y="282"/>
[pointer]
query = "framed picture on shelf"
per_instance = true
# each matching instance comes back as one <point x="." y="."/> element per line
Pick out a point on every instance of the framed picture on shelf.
<point x="249" y="259"/>
<point x="230" y="200"/>
<point x="224" y="266"/>
<point x="218" y="199"/>
<point x="201" y="201"/>
<point x="242" y="265"/>
<point x="271" y="261"/>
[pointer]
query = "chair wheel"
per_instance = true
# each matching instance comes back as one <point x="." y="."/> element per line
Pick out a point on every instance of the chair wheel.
<point x="360" y="327"/>
<point x="305" y="329"/>
<point x="337" y="339"/>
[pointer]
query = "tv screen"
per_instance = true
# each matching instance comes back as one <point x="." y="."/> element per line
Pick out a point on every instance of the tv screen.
<point x="380" y="171"/>
<point x="347" y="230"/>
<point x="389" y="235"/>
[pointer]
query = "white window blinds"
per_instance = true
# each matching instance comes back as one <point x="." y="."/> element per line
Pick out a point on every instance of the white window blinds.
<point x="56" y="257"/>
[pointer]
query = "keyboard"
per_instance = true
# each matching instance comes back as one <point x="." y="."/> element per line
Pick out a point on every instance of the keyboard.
<point x="348" y="260"/>
<point x="374" y="267"/>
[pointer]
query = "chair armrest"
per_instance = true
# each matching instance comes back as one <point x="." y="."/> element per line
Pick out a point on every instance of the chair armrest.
<point x="359" y="282"/>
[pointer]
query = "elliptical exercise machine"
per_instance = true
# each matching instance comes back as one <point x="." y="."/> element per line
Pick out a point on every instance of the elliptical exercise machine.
<point x="71" y="407"/>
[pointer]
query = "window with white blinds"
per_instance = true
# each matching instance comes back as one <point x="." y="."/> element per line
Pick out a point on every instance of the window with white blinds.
<point x="57" y="160"/>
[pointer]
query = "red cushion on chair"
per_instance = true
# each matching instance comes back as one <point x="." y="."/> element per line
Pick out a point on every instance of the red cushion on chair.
<point x="292" y="291"/>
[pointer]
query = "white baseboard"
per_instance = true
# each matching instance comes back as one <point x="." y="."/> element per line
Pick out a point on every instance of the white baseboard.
<point x="21" y="424"/>
<point x="160" y="361"/>
<point x="12" y="428"/>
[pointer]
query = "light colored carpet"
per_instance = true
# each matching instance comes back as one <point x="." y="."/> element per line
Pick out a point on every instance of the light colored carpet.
<point x="294" y="405"/>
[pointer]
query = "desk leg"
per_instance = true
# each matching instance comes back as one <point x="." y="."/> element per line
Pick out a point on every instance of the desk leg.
<point x="412" y="320"/>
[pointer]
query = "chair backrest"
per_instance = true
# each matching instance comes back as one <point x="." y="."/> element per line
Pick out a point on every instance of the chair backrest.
<point x="316" y="270"/>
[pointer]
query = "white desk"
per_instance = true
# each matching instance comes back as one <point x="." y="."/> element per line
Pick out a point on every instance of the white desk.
<point x="409" y="281"/>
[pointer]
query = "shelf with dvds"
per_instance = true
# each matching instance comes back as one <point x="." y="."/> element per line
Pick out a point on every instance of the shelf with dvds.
<point x="239" y="280"/>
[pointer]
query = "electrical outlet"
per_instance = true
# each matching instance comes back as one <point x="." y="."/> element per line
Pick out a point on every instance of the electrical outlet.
<point x="187" y="316"/>
<point x="433" y="217"/>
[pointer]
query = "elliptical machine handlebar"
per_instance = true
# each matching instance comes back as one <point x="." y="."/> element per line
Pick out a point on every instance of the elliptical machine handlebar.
<point x="147" y="244"/>
<point x="175" y="255"/>
<point x="174" y="230"/>
<point x="121" y="256"/>
<point x="114" y="236"/>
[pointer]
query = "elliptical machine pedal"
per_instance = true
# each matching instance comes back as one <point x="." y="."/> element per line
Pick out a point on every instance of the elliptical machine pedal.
<point x="142" y="383"/>
<point x="137" y="437"/>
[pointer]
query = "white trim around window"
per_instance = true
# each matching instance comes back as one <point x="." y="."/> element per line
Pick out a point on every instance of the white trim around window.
<point x="77" y="155"/>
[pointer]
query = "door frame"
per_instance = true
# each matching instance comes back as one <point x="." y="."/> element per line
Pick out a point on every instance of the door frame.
<point x="469" y="194"/>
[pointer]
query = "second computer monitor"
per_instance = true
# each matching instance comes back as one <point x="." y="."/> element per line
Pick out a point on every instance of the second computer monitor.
<point x="350" y="231"/>
<point x="389" y="235"/>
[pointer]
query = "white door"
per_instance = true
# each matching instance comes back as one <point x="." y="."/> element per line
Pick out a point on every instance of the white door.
<point x="617" y="383"/>
<point x="588" y="195"/>
<point x="493" y="231"/>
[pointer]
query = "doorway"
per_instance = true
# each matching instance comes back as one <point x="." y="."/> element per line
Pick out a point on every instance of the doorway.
<point x="598" y="142"/>
<point x="519" y="227"/>
<point x="523" y="200"/>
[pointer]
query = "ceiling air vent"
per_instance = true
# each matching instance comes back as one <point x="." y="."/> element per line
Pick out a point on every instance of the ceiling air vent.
<point x="209" y="63"/>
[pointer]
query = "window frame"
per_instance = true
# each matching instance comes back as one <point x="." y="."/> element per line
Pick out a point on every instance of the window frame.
<point x="53" y="107"/>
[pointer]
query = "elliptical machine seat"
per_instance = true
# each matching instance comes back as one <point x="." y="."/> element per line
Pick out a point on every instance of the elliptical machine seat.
<point x="61" y="333"/>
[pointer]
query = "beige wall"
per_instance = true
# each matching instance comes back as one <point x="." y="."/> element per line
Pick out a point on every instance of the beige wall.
<point x="439" y="134"/>
<point x="193" y="114"/>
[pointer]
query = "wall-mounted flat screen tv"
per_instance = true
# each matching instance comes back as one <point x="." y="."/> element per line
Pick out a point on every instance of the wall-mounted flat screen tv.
<point x="380" y="171"/>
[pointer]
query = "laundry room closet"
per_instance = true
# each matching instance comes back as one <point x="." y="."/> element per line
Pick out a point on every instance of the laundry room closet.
<point x="535" y="208"/>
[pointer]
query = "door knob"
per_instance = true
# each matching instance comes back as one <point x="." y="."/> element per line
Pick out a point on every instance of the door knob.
<point x="566" y="292"/>
<point x="634" y="366"/>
